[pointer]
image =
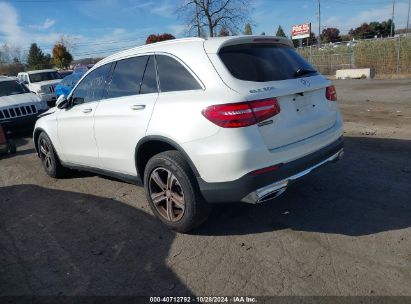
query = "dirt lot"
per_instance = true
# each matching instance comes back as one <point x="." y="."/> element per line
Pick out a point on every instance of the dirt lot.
<point x="343" y="230"/>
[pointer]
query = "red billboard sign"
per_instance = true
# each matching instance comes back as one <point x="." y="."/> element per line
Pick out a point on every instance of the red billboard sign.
<point x="301" y="31"/>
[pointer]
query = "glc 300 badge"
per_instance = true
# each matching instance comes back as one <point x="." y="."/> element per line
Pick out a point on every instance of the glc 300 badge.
<point x="266" y="89"/>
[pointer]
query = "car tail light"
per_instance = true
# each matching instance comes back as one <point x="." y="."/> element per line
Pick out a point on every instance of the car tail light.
<point x="243" y="114"/>
<point x="265" y="170"/>
<point x="331" y="93"/>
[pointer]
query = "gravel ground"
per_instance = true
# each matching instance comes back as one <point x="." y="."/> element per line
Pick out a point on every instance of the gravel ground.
<point x="343" y="230"/>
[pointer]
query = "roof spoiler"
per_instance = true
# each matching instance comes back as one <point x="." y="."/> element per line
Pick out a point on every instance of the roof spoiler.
<point x="214" y="45"/>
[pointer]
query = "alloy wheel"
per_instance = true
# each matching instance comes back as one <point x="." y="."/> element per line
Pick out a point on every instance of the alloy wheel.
<point x="45" y="154"/>
<point x="166" y="194"/>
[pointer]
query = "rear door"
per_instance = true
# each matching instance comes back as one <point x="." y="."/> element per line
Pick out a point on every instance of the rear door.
<point x="122" y="117"/>
<point x="266" y="70"/>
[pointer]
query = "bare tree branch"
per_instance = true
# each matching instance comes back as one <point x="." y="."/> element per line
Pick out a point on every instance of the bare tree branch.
<point x="215" y="14"/>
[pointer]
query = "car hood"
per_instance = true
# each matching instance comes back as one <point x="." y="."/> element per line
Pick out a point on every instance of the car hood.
<point x="19" y="99"/>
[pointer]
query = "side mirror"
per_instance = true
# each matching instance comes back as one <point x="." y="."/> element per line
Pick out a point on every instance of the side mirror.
<point x="62" y="102"/>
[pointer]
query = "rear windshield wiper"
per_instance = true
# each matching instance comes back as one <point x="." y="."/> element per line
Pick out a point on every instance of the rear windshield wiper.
<point x="302" y="72"/>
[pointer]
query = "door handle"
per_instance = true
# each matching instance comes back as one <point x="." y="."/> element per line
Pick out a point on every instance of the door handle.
<point x="138" y="107"/>
<point x="85" y="111"/>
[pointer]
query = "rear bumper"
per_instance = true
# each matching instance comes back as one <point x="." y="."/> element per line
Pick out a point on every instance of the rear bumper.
<point x="254" y="189"/>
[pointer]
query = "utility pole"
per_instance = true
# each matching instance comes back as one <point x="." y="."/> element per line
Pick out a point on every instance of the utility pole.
<point x="319" y="23"/>
<point x="392" y="18"/>
<point x="408" y="18"/>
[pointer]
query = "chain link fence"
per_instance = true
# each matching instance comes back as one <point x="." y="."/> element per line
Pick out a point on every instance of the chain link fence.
<point x="387" y="56"/>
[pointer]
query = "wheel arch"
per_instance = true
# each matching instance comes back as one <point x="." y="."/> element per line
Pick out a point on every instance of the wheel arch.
<point x="36" y="135"/>
<point x="152" y="145"/>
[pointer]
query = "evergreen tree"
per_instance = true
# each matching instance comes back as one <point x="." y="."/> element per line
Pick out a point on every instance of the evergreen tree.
<point x="36" y="58"/>
<point x="248" y="30"/>
<point x="280" y="32"/>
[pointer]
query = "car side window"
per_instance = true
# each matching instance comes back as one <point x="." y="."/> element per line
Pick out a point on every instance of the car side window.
<point x="149" y="83"/>
<point x="127" y="77"/>
<point x="173" y="76"/>
<point x="92" y="87"/>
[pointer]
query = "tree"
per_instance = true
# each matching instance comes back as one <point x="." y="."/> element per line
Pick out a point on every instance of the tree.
<point x="61" y="57"/>
<point x="280" y="32"/>
<point x="262" y="34"/>
<point x="11" y="69"/>
<point x="330" y="34"/>
<point x="224" y="32"/>
<point x="36" y="58"/>
<point x="214" y="14"/>
<point x="372" y="30"/>
<point x="313" y="40"/>
<point x="248" y="30"/>
<point x="157" y="38"/>
<point x="386" y="28"/>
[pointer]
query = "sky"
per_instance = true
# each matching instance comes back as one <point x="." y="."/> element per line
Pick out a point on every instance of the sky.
<point x="101" y="27"/>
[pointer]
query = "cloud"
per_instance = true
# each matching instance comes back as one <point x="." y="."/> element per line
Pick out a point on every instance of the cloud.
<point x="163" y="8"/>
<point x="45" y="25"/>
<point x="178" y="29"/>
<point x="376" y="14"/>
<point x="143" y="5"/>
<point x="10" y="31"/>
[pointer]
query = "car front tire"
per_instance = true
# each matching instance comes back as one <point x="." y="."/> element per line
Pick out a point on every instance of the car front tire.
<point x="49" y="158"/>
<point x="172" y="192"/>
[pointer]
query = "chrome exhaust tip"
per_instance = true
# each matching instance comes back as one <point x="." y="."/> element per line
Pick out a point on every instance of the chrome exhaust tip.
<point x="272" y="195"/>
<point x="274" y="190"/>
<point x="339" y="156"/>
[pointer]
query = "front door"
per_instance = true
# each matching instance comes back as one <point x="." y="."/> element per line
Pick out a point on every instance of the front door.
<point x="76" y="123"/>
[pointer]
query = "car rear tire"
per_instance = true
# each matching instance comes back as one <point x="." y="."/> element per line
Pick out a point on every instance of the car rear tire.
<point x="172" y="192"/>
<point x="49" y="158"/>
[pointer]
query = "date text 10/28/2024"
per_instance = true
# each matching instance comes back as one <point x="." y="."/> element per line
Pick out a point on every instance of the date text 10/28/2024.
<point x="240" y="299"/>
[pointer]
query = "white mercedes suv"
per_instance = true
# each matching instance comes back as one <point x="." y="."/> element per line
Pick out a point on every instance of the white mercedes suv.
<point x="197" y="121"/>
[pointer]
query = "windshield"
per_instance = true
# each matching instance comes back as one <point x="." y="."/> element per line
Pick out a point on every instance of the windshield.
<point x="265" y="62"/>
<point x="12" y="88"/>
<point x="44" y="76"/>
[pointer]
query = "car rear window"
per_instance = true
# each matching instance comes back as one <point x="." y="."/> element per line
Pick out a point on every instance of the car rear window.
<point x="264" y="62"/>
<point x="44" y="76"/>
